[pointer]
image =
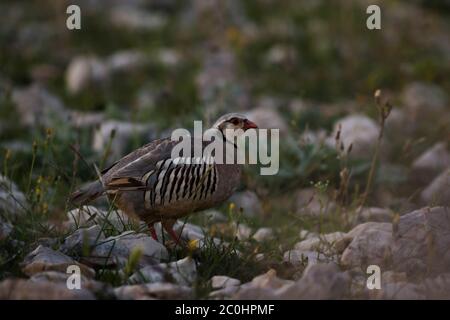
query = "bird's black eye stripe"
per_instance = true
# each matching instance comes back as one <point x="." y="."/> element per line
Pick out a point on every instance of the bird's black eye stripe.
<point x="234" y="121"/>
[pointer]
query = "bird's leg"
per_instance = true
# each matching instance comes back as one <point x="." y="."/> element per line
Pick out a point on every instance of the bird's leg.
<point x="151" y="227"/>
<point x="168" y="226"/>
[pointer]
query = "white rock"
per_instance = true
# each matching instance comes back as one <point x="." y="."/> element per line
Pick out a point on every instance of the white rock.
<point x="370" y="247"/>
<point x="319" y="281"/>
<point x="306" y="234"/>
<point x="430" y="163"/>
<point x="82" y="240"/>
<point x="189" y="231"/>
<point x="37" y="106"/>
<point x="263" y="234"/>
<point x="20" y="289"/>
<point x="136" y="19"/>
<point x="182" y="272"/>
<point x="265" y="286"/>
<point x="88" y="216"/>
<point x="304" y="257"/>
<point x="424" y="98"/>
<point x="5" y="229"/>
<point x="422" y="241"/>
<point x="438" y="191"/>
<point x="46" y="259"/>
<point x="126" y="60"/>
<point x="280" y="54"/>
<point x="103" y="289"/>
<point x="225" y="292"/>
<point x="398" y="291"/>
<point x="243" y="232"/>
<point x="124" y="132"/>
<point x="248" y="201"/>
<point x="85" y="71"/>
<point x="322" y="243"/>
<point x="436" y="158"/>
<point x="87" y="120"/>
<point x="12" y="201"/>
<point x="150" y="291"/>
<point x="214" y="216"/>
<point x="116" y="250"/>
<point x="168" y="57"/>
<point x="359" y="131"/>
<point x="220" y="282"/>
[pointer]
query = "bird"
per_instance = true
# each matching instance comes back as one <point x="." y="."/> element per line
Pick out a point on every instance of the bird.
<point x="152" y="186"/>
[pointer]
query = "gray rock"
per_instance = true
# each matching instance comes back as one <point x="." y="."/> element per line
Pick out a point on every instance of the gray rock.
<point x="12" y="201"/>
<point x="306" y="234"/>
<point x="319" y="281"/>
<point x="223" y="293"/>
<point x="84" y="72"/>
<point x="437" y="287"/>
<point x="116" y="250"/>
<point x="5" y="229"/>
<point x="372" y="246"/>
<point x="280" y="54"/>
<point x="223" y="286"/>
<point x="189" y="231"/>
<point x="220" y="282"/>
<point x="81" y="241"/>
<point x="263" y="234"/>
<point x="322" y="243"/>
<point x="214" y="216"/>
<point x="422" y="241"/>
<point x="87" y="120"/>
<point x="182" y="272"/>
<point x="422" y="98"/>
<point x="98" y="288"/>
<point x="398" y="291"/>
<point x="430" y="163"/>
<point x="150" y="291"/>
<point x="127" y="60"/>
<point x="305" y="257"/>
<point x="359" y="131"/>
<point x="248" y="201"/>
<point x="265" y="286"/>
<point x="242" y="231"/>
<point x="19" y="289"/>
<point x="168" y="57"/>
<point x="438" y="191"/>
<point x="400" y="288"/>
<point x="124" y="133"/>
<point x="136" y="19"/>
<point x="46" y="259"/>
<point x="88" y="216"/>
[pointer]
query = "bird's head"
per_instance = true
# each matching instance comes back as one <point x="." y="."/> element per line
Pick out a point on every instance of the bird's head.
<point x="233" y="121"/>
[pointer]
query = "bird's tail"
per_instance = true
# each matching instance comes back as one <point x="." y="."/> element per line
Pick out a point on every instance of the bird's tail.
<point x="87" y="193"/>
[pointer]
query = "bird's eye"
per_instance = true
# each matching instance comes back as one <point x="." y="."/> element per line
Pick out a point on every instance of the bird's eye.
<point x="235" y="121"/>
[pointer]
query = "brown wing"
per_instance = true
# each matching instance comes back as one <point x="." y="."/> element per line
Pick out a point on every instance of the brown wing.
<point x="128" y="171"/>
<point x="132" y="171"/>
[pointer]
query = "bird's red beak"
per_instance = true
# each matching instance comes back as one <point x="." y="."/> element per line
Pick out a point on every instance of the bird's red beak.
<point x="249" y="125"/>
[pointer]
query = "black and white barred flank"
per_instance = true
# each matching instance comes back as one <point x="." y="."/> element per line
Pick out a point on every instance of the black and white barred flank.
<point x="180" y="179"/>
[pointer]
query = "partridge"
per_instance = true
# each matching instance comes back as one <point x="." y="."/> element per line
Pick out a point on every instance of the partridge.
<point x="151" y="185"/>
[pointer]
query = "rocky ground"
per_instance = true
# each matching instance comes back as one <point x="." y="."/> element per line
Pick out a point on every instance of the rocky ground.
<point x="346" y="196"/>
